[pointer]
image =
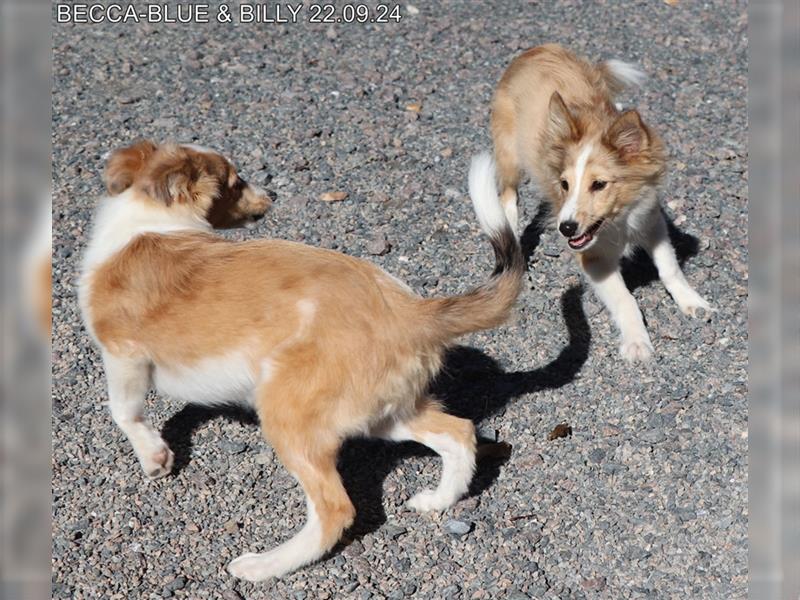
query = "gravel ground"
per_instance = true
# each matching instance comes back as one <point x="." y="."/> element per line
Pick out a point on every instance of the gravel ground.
<point x="646" y="498"/>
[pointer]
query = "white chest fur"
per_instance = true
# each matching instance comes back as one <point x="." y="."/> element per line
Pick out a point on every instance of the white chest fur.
<point x="119" y="219"/>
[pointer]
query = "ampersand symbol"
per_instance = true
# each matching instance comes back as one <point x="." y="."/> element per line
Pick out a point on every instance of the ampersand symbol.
<point x="223" y="15"/>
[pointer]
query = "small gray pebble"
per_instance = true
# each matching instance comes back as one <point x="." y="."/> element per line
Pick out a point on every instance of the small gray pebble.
<point x="395" y="531"/>
<point x="653" y="436"/>
<point x="450" y="591"/>
<point x="457" y="528"/>
<point x="378" y="245"/>
<point x="233" y="447"/>
<point x="551" y="250"/>
<point x="176" y="584"/>
<point x="597" y="455"/>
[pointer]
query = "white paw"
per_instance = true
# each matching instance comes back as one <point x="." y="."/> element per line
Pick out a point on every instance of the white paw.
<point x="157" y="462"/>
<point x="251" y="567"/>
<point x="257" y="567"/>
<point x="428" y="500"/>
<point x="636" y="349"/>
<point x="690" y="302"/>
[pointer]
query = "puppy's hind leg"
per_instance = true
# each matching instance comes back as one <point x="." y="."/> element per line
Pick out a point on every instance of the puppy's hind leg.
<point x="451" y="438"/>
<point x="309" y="452"/>
<point x="506" y="156"/>
<point x="659" y="247"/>
<point x="128" y="382"/>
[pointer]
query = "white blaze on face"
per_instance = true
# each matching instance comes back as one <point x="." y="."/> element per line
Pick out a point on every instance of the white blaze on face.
<point x="567" y="212"/>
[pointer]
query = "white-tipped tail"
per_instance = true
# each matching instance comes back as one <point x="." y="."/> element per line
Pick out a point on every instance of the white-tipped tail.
<point x="483" y="192"/>
<point x="626" y="74"/>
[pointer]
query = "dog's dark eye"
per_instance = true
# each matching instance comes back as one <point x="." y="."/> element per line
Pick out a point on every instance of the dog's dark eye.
<point x="564" y="185"/>
<point x="598" y="185"/>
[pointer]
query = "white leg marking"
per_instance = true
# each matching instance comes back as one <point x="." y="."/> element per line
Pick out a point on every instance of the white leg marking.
<point x="458" y="466"/>
<point x="300" y="550"/>
<point x="660" y="248"/>
<point x="636" y="345"/>
<point x="128" y="382"/>
<point x="512" y="211"/>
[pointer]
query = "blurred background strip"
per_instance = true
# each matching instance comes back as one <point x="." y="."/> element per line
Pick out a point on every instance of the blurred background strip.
<point x="774" y="301"/>
<point x="25" y="448"/>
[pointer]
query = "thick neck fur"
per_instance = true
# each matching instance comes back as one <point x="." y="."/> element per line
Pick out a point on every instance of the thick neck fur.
<point x="633" y="224"/>
<point x="119" y="219"/>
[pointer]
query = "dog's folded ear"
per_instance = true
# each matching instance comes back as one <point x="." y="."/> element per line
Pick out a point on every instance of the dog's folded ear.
<point x="126" y="164"/>
<point x="560" y="122"/>
<point x="628" y="135"/>
<point x="173" y="176"/>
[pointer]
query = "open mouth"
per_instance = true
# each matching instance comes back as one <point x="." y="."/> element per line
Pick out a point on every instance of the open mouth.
<point x="581" y="241"/>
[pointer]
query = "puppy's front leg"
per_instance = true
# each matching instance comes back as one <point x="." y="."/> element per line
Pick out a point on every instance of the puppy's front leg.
<point x="611" y="290"/>
<point x="128" y="382"/>
<point x="660" y="249"/>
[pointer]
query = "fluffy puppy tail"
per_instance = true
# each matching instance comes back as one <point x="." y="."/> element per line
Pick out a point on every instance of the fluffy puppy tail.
<point x="490" y="304"/>
<point x="619" y="75"/>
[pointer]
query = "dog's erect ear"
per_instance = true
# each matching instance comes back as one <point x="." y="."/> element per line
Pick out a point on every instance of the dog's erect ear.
<point x="560" y="122"/>
<point x="126" y="164"/>
<point x="628" y="135"/>
<point x="174" y="177"/>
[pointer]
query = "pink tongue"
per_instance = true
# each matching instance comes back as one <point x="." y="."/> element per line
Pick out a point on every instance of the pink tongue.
<point x="579" y="241"/>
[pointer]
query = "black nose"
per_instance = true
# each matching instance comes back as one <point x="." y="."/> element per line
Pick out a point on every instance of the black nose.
<point x="568" y="228"/>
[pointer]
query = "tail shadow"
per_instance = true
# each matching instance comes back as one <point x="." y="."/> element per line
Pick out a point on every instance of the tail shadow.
<point x="471" y="385"/>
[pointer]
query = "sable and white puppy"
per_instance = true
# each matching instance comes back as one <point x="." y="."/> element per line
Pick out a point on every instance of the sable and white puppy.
<point x="324" y="346"/>
<point x="553" y="116"/>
